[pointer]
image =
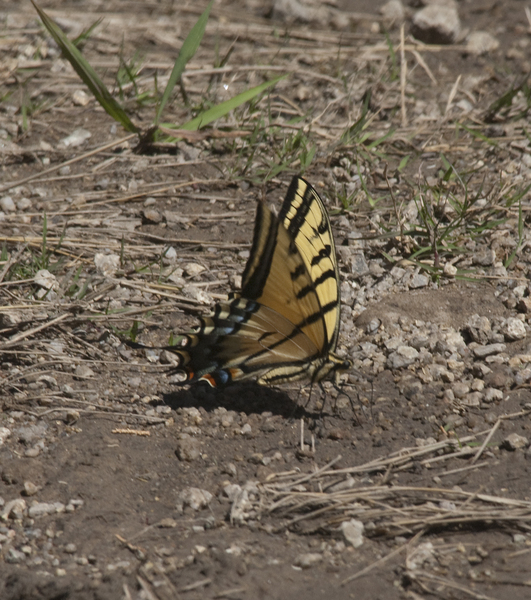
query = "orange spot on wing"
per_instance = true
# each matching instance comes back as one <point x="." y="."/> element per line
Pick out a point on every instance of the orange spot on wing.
<point x="209" y="379"/>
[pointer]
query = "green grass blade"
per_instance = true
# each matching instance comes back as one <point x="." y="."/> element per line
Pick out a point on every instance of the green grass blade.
<point x="188" y="49"/>
<point x="220" y="110"/>
<point x="87" y="73"/>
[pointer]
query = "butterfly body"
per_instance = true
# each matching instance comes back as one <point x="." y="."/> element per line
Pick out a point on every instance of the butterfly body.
<point x="284" y="324"/>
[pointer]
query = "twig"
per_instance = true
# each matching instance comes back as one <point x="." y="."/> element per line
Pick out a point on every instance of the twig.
<point x="486" y="441"/>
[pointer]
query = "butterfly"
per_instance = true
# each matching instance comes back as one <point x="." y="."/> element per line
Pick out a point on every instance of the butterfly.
<point x="284" y="324"/>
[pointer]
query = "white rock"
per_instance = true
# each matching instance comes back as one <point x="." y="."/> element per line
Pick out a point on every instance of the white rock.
<point x="514" y="441"/>
<point x="402" y="357"/>
<point x="393" y="11"/>
<point x="308" y="560"/>
<point x="76" y="138"/>
<point x="353" y="532"/>
<point x="436" y="24"/>
<point x="193" y="497"/>
<point x="107" y="264"/>
<point x="421" y="555"/>
<point x="80" y="98"/>
<point x="513" y="329"/>
<point x="14" y="509"/>
<point x="46" y="280"/>
<point x="40" y="509"/>
<point x="493" y="395"/>
<point x="481" y="42"/>
<point x="193" y="269"/>
<point x="7" y="204"/>
<point x="4" y="434"/>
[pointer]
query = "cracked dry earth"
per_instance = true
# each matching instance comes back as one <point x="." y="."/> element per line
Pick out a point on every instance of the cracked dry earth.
<point x="117" y="483"/>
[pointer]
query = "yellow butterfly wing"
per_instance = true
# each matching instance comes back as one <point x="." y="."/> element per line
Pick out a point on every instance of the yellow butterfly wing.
<point x="284" y="324"/>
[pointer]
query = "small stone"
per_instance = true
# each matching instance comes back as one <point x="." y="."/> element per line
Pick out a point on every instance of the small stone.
<point x="308" y="560"/>
<point x="478" y="328"/>
<point x="83" y="372"/>
<point x="514" y="441"/>
<point x="7" y="204"/>
<point x="418" y="281"/>
<point x="193" y="269"/>
<point x="489" y="349"/>
<point x="76" y="138"/>
<point x="481" y="42"/>
<point x="473" y="399"/>
<point x="460" y="389"/>
<point x="41" y="509"/>
<point x="152" y="216"/>
<point x="449" y="270"/>
<point x="195" y="498"/>
<point x="107" y="264"/>
<point x="436" y="24"/>
<point x="188" y="448"/>
<point x="353" y="532"/>
<point x="80" y="98"/>
<point x="393" y="11"/>
<point x="493" y="395"/>
<point x="402" y="357"/>
<point x="4" y="434"/>
<point x="14" y="509"/>
<point x="30" y="489"/>
<point x="513" y="329"/>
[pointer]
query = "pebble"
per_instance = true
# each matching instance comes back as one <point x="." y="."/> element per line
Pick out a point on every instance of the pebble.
<point x="436" y="24"/>
<point x="493" y="395"/>
<point x="84" y="372"/>
<point x="4" y="434"/>
<point x="41" y="509"/>
<point x="14" y="509"/>
<point x="7" y="204"/>
<point x="481" y="42"/>
<point x="107" y="264"/>
<point x="513" y="329"/>
<point x="515" y="441"/>
<point x="402" y="357"/>
<point x="188" y="448"/>
<point x="76" y="138"/>
<point x="308" y="560"/>
<point x="193" y="497"/>
<point x="483" y="351"/>
<point x="353" y="532"/>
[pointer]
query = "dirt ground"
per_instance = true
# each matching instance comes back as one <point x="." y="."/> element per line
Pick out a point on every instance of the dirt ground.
<point x="118" y="483"/>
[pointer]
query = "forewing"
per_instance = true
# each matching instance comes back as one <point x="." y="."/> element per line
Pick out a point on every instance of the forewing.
<point x="305" y="218"/>
<point x="276" y="276"/>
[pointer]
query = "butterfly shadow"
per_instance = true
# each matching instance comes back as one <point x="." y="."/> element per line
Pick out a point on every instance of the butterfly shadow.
<point x="246" y="397"/>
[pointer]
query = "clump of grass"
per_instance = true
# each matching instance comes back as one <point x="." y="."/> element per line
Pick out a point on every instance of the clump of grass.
<point x="128" y="72"/>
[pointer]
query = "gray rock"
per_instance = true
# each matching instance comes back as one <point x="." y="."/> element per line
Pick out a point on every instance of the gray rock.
<point x="493" y="395"/>
<point x="308" y="560"/>
<point x="353" y="532"/>
<point x="514" y="441"/>
<point x="31" y="433"/>
<point x="14" y="509"/>
<point x="478" y="328"/>
<point x="40" y="509"/>
<point x="436" y="24"/>
<point x="418" y="281"/>
<point x="481" y="42"/>
<point x="7" y="204"/>
<point x="193" y="497"/>
<point x="513" y="329"/>
<point x="393" y="12"/>
<point x="489" y="349"/>
<point x="188" y="448"/>
<point x="402" y="357"/>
